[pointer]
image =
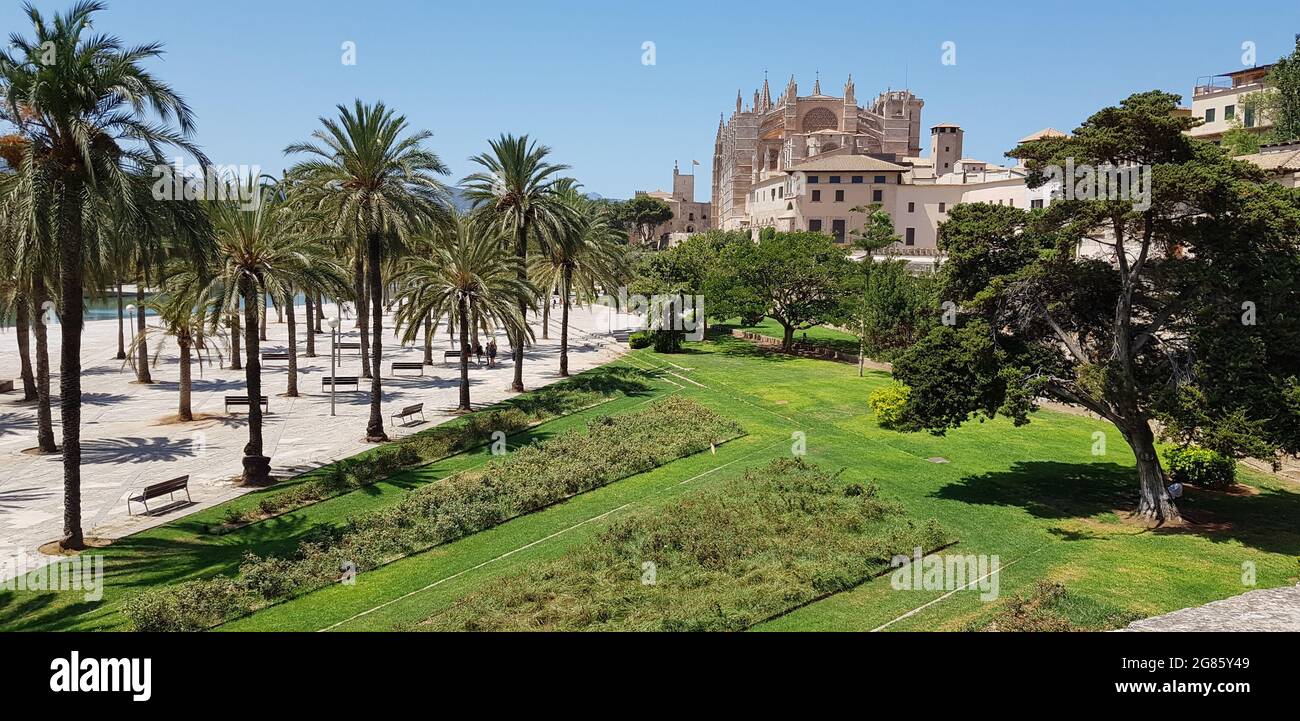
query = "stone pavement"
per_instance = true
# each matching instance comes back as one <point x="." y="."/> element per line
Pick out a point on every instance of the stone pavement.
<point x="1268" y="609"/>
<point x="126" y="443"/>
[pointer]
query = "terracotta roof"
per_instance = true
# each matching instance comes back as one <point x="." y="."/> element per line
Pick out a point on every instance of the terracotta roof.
<point x="1044" y="133"/>
<point x="847" y="162"/>
<point x="1284" y="162"/>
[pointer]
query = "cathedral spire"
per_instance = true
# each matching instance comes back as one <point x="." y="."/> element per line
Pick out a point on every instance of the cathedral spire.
<point x="738" y="100"/>
<point x="817" y="84"/>
<point x="767" y="93"/>
<point x="791" y="89"/>
<point x="848" y="89"/>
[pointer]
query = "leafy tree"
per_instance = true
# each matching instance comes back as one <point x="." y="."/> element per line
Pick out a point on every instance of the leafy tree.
<point x="1239" y="141"/>
<point x="643" y="214"/>
<point x="878" y="232"/>
<point x="792" y="277"/>
<point x="1281" y="100"/>
<point x="1152" y="331"/>
<point x="887" y="307"/>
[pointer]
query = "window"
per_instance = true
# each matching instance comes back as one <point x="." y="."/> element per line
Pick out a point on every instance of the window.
<point x="880" y="179"/>
<point x="857" y="179"/>
<point x="946" y="148"/>
<point x="910" y="238"/>
<point x="1230" y="112"/>
<point x="1209" y="115"/>
<point x="877" y="196"/>
<point x="945" y="165"/>
<point x="1036" y="203"/>
<point x="835" y="178"/>
<point x="839" y="196"/>
<point x="815" y="225"/>
<point x="1250" y="118"/>
<point x="837" y="230"/>
<point x="692" y="217"/>
<point x="943" y="207"/>
<point x="812" y="178"/>
<point x="817" y="196"/>
<point x="911" y="207"/>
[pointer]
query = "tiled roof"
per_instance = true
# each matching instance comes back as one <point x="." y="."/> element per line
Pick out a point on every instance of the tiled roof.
<point x="846" y="163"/>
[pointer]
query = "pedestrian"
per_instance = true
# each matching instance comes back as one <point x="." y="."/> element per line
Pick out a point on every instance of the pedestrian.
<point x="478" y="352"/>
<point x="492" y="352"/>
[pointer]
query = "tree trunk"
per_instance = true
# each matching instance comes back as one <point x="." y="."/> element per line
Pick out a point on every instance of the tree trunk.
<point x="23" y="328"/>
<point x="121" y="313"/>
<point x="521" y="250"/>
<point x="236" y="360"/>
<point x="292" y="390"/>
<point x="311" y="319"/>
<point x="1154" y="503"/>
<point x="463" y="312"/>
<point x="184" y="412"/>
<point x="428" y="339"/>
<point x="142" y="374"/>
<point x="375" y="427"/>
<point x="71" y="268"/>
<point x="265" y="302"/>
<point x="44" y="414"/>
<point x="257" y="467"/>
<point x="546" y="320"/>
<point x="320" y="313"/>
<point x="564" y="323"/>
<point x="363" y="321"/>
<point x="787" y="338"/>
<point x="279" y="312"/>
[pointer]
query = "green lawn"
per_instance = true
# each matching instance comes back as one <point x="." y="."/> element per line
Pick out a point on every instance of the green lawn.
<point x="1034" y="496"/>
<point x="819" y="335"/>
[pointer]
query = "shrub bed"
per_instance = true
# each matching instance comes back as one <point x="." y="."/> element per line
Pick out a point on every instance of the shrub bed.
<point x="723" y="559"/>
<point x="526" y="480"/>
<point x="889" y="403"/>
<point x="1201" y="467"/>
<point x="425" y="447"/>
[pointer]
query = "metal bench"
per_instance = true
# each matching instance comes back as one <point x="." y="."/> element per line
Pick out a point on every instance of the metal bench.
<point x="449" y="354"/>
<point x="238" y="401"/>
<point x="408" y="411"/>
<point x="6" y="385"/>
<point x="276" y="356"/>
<point x="166" y="488"/>
<point x="407" y="366"/>
<point x="336" y="381"/>
<point x="350" y="346"/>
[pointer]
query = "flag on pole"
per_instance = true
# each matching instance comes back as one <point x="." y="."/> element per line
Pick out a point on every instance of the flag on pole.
<point x="695" y="162"/>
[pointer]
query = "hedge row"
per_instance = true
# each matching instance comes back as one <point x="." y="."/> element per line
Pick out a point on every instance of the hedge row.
<point x="437" y="443"/>
<point x="523" y="481"/>
<point x="723" y="559"/>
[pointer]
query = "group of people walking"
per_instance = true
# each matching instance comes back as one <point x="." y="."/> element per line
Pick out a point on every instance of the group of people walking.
<point x="491" y="352"/>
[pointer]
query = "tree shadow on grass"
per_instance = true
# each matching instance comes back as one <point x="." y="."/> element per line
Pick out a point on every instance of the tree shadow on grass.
<point x="1055" y="490"/>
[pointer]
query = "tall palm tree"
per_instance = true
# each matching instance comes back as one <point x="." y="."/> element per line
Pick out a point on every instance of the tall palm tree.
<point x="580" y="261"/>
<point x="516" y="190"/>
<point x="261" y="254"/>
<point x="370" y="173"/>
<point x="13" y="296"/>
<point x="465" y="275"/>
<point x="84" y="101"/>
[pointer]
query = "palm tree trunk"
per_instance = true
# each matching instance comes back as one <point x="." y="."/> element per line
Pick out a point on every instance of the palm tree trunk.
<point x="375" y="428"/>
<point x="428" y="339"/>
<point x="463" y="312"/>
<point x="564" y="322"/>
<point x="517" y="349"/>
<point x="184" y="412"/>
<point x="546" y="319"/>
<point x="320" y="312"/>
<point x="236" y="360"/>
<point x="292" y="390"/>
<point x="44" y="414"/>
<point x="265" y="301"/>
<point x="121" y="313"/>
<point x="311" y="332"/>
<point x="23" y="328"/>
<point x="363" y="322"/>
<point x="257" y="467"/>
<point x="142" y="347"/>
<point x="71" y="268"/>
<point x="279" y="312"/>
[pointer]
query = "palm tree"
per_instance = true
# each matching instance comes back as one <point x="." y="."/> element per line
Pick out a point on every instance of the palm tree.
<point x="84" y="102"/>
<point x="466" y="275"/>
<point x="583" y="259"/>
<point x="516" y="191"/>
<point x="13" y="296"/>
<point x="375" y="179"/>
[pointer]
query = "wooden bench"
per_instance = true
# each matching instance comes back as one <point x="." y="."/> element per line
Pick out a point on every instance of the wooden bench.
<point x="6" y="385"/>
<point x="336" y="381"/>
<point x="408" y="411"/>
<point x="243" y="401"/>
<point x="449" y="354"/>
<point x="407" y="366"/>
<point x="350" y="346"/>
<point x="166" y="488"/>
<point x="276" y="356"/>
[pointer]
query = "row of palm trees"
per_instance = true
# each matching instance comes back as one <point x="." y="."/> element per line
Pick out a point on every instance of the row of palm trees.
<point x="361" y="216"/>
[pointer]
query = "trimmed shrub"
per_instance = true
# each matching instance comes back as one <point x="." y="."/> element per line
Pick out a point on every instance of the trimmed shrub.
<point x="639" y="339"/>
<point x="1201" y="467"/>
<point x="889" y="403"/>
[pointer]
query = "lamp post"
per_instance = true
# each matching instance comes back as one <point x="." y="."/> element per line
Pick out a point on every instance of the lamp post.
<point x="334" y="326"/>
<point x="131" y="310"/>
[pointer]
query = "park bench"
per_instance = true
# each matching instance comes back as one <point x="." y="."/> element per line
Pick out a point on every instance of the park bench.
<point x="243" y="401"/>
<point x="6" y="385"/>
<point x="336" y="381"/>
<point x="408" y="411"/>
<point x="275" y="356"/>
<point x="166" y="488"/>
<point x="350" y="346"/>
<point x="407" y="366"/>
<point x="450" y="354"/>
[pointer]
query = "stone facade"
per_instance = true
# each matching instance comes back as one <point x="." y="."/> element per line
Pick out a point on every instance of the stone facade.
<point x="689" y="216"/>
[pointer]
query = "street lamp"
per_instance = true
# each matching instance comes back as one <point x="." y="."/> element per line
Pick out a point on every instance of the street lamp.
<point x="334" y="326"/>
<point x="131" y="310"/>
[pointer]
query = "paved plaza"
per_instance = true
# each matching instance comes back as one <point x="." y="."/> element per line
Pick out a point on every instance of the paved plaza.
<point x="128" y="441"/>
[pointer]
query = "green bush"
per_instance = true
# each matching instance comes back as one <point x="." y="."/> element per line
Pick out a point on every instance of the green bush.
<point x="889" y="404"/>
<point x="1201" y="467"/>
<point x="191" y="606"/>
<point x="640" y="339"/>
<point x="668" y="341"/>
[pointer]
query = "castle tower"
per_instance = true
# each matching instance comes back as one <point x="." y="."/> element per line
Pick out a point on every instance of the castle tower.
<point x="849" y="118"/>
<point x="945" y="147"/>
<point x="683" y="185"/>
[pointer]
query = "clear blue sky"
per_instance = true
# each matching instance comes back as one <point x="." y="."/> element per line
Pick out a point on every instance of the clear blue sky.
<point x="259" y="73"/>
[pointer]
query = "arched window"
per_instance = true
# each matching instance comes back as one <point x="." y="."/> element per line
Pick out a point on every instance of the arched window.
<point x="819" y="119"/>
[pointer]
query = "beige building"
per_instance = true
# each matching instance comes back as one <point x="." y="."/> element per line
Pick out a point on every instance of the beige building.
<point x="689" y="216"/>
<point x="1217" y="100"/>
